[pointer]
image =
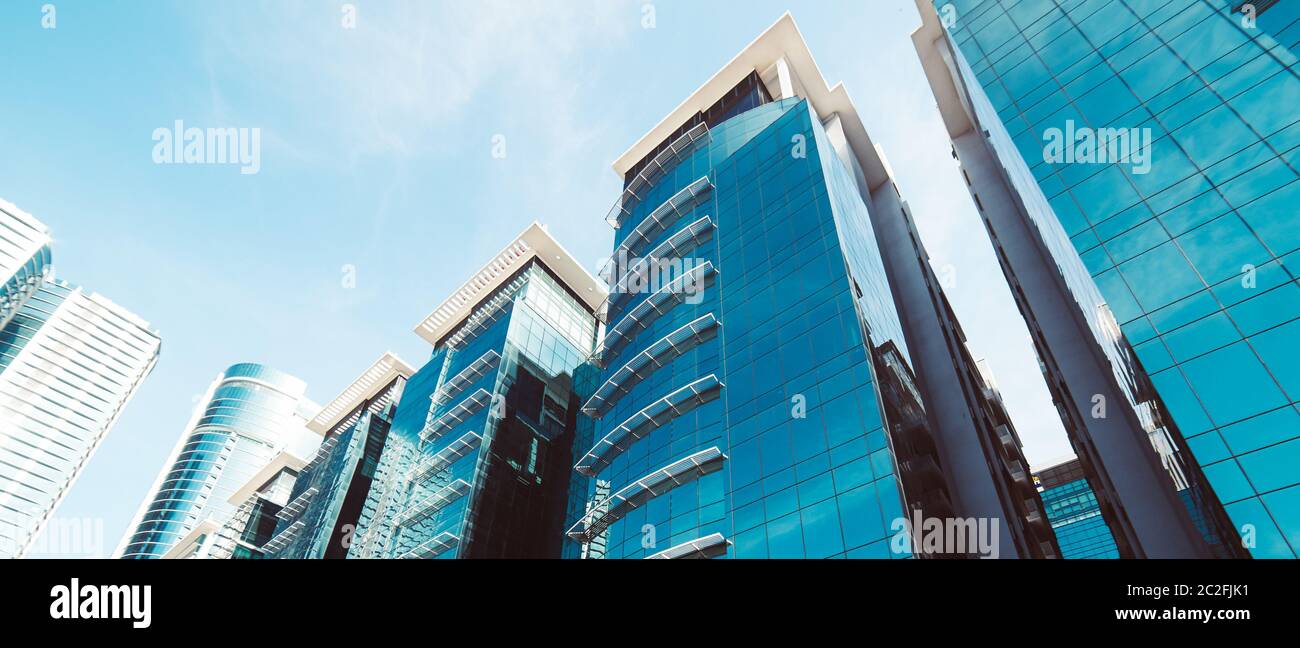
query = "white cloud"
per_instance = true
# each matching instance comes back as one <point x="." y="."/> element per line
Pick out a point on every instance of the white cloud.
<point x="404" y="77"/>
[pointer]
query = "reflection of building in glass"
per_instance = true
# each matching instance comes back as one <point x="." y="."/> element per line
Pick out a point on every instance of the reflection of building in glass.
<point x="812" y="389"/>
<point x="320" y="517"/>
<point x="250" y="415"/>
<point x="478" y="457"/>
<point x="70" y="361"/>
<point x="1073" y="510"/>
<point x="1159" y="285"/>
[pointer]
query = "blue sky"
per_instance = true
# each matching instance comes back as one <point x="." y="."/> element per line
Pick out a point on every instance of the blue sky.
<point x="376" y="153"/>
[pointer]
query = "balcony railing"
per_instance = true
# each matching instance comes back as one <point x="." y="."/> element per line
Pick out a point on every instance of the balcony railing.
<point x="457" y="450"/>
<point x="283" y="538"/>
<point x="649" y="310"/>
<point x="435" y="547"/>
<point x="658" y="221"/>
<point x="706" y="547"/>
<point x="636" y="494"/>
<point x="641" y="424"/>
<point x="456" y="415"/>
<point x="467" y="376"/>
<point x="655" y="356"/>
<point x="439" y="500"/>
<point x="297" y="506"/>
<point x="654" y="170"/>
<point x="674" y="247"/>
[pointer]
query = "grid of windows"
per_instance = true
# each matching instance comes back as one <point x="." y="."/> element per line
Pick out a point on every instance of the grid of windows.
<point x="1075" y="516"/>
<point x="492" y="480"/>
<point x="791" y="331"/>
<point x="253" y="412"/>
<point x="1197" y="253"/>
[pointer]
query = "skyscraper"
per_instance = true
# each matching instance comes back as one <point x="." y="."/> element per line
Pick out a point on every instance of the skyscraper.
<point x="253" y="524"/>
<point x="1073" y="510"/>
<point x="24" y="258"/>
<point x="781" y="375"/>
<point x="70" y="361"/>
<point x="1137" y="175"/>
<point x="319" y="520"/>
<point x="250" y="414"/>
<point x="479" y="454"/>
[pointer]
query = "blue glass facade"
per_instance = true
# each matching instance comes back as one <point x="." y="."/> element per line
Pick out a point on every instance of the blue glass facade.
<point x="477" y="460"/>
<point x="320" y="517"/>
<point x="695" y="444"/>
<point x="253" y="412"/>
<point x="1074" y="513"/>
<point x="1194" y="255"/>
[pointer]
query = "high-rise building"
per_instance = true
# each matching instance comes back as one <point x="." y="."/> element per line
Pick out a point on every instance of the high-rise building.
<point x="24" y="258"/>
<point x="70" y="361"/>
<point x="319" y="520"/>
<point x="249" y="415"/>
<point x="1074" y="512"/>
<point x="479" y="454"/>
<point x="1136" y="171"/>
<point x="781" y="375"/>
<point x="252" y="526"/>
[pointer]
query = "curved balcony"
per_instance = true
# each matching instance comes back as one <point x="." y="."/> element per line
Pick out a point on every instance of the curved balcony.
<point x="649" y="310"/>
<point x="709" y="546"/>
<point x="467" y="376"/>
<point x="647" y="362"/>
<point x="654" y="170"/>
<point x="455" y="451"/>
<point x="636" y="494"/>
<point x="439" y="500"/>
<point x="456" y="415"/>
<point x="675" y="246"/>
<point x="658" y="221"/>
<point x="641" y="424"/>
<point x="435" y="547"/>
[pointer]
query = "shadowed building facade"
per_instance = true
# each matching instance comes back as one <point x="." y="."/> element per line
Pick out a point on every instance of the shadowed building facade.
<point x="479" y="450"/>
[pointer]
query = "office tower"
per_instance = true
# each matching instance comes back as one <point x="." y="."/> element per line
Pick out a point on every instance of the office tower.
<point x="1136" y="171"/>
<point x="326" y="501"/>
<point x="249" y="415"/>
<point x="70" y="361"/>
<point x="245" y="534"/>
<point x="24" y="258"/>
<point x="479" y="457"/>
<point x="781" y="376"/>
<point x="1074" y="512"/>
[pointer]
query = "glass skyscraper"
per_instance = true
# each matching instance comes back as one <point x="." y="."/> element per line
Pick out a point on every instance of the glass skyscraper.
<point x="1135" y="163"/>
<point x="478" y="457"/>
<point x="780" y="375"/>
<point x="249" y="415"/>
<point x="1074" y="512"/>
<point x="319" y="518"/>
<point x="70" y="361"/>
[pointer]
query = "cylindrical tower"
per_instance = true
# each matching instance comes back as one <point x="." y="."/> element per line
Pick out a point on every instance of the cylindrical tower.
<point x="250" y="413"/>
